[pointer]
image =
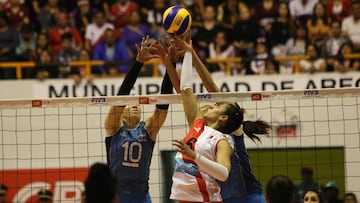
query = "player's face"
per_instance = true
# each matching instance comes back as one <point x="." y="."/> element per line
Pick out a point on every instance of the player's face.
<point x="214" y="112"/>
<point x="204" y="108"/>
<point x="132" y="112"/>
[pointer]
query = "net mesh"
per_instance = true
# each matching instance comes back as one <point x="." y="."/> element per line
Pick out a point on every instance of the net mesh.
<point x="50" y="143"/>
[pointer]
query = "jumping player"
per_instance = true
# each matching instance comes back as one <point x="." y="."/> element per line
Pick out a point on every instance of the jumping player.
<point x="129" y="141"/>
<point x="204" y="154"/>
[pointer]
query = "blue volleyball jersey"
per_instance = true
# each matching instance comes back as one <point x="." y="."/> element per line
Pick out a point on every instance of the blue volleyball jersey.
<point x="234" y="186"/>
<point x="252" y="184"/>
<point x="241" y="180"/>
<point x="130" y="154"/>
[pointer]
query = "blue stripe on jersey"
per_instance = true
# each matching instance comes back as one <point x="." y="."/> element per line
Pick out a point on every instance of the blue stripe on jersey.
<point x="184" y="167"/>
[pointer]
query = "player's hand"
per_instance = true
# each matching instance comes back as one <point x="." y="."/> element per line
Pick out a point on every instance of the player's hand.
<point x="162" y="51"/>
<point x="145" y="51"/>
<point x="183" y="42"/>
<point x="183" y="148"/>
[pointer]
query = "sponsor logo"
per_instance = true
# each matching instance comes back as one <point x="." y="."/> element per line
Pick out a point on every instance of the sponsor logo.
<point x="36" y="103"/>
<point x="24" y="184"/>
<point x="144" y="100"/>
<point x="203" y="96"/>
<point x="311" y="92"/>
<point x="101" y="100"/>
<point x="256" y="97"/>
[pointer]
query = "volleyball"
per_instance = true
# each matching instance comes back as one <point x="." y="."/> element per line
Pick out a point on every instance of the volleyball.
<point x="176" y="20"/>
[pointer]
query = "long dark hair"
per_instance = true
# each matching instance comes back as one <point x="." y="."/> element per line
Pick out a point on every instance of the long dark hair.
<point x="250" y="128"/>
<point x="235" y="118"/>
<point x="323" y="18"/>
<point x="100" y="185"/>
<point x="254" y="128"/>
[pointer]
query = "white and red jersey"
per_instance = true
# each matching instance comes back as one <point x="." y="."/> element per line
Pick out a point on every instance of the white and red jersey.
<point x="189" y="182"/>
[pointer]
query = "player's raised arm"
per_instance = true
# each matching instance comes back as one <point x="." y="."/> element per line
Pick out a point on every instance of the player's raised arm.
<point x="204" y="74"/>
<point x="168" y="56"/>
<point x="191" y="109"/>
<point x="113" y="119"/>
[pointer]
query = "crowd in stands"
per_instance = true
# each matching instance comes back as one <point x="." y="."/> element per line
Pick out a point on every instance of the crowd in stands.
<point x="54" y="32"/>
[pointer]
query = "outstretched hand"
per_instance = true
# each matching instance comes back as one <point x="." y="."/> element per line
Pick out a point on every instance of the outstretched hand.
<point x="183" y="42"/>
<point x="145" y="51"/>
<point x="183" y="148"/>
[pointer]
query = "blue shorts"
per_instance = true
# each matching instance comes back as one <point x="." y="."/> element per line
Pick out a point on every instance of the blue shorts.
<point x="250" y="198"/>
<point x="134" y="198"/>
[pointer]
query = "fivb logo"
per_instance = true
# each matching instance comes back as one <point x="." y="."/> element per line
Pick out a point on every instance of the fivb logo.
<point x="66" y="184"/>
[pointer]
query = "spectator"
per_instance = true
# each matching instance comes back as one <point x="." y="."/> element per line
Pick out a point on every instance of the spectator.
<point x="197" y="11"/>
<point x="350" y="198"/>
<point x="351" y="24"/>
<point x="221" y="48"/>
<point x="100" y="185"/>
<point x="318" y="24"/>
<point x="3" y="191"/>
<point x="342" y="64"/>
<point x="17" y="14"/>
<point x="134" y="31"/>
<point x="271" y="66"/>
<point x="246" y="33"/>
<point x="228" y="13"/>
<point x="331" y="192"/>
<point x="47" y="15"/>
<point x="65" y="56"/>
<point x="258" y="63"/>
<point x="9" y="40"/>
<point x="111" y="49"/>
<point x="314" y="63"/>
<point x="333" y="43"/>
<point x="82" y="16"/>
<point x="44" y="196"/>
<point x="281" y="30"/>
<point x="307" y="183"/>
<point x="205" y="34"/>
<point x="45" y="67"/>
<point x="338" y="9"/>
<point x="312" y="196"/>
<point x="239" y="68"/>
<point x="280" y="189"/>
<point x="101" y="5"/>
<point x="301" y="10"/>
<point x="265" y="13"/>
<point x="295" y="46"/>
<point x="25" y="51"/>
<point x="84" y="55"/>
<point x="154" y="18"/>
<point x="120" y="12"/>
<point x="41" y="45"/>
<point x="95" y="31"/>
<point x="63" y="27"/>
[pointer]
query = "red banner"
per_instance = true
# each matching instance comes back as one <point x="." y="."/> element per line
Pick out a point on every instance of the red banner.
<point x="65" y="183"/>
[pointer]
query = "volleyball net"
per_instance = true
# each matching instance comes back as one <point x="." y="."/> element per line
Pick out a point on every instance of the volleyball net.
<point x="50" y="143"/>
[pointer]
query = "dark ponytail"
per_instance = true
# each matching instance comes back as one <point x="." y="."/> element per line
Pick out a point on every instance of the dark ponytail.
<point x="254" y="128"/>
